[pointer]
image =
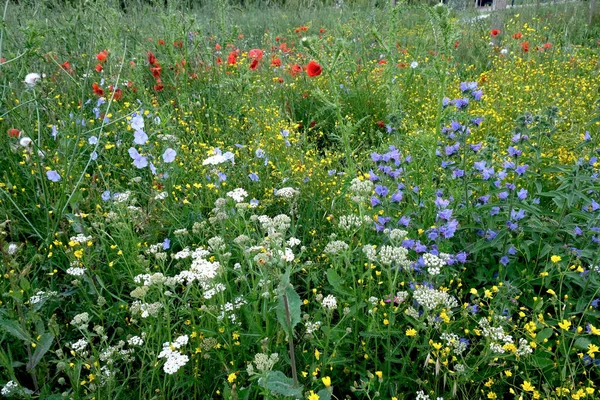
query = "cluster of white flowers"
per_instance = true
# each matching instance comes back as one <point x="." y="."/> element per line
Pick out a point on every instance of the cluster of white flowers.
<point x="135" y="341"/>
<point x="121" y="197"/>
<point x="351" y="222"/>
<point x="287" y="193"/>
<point x="175" y="359"/>
<point x="370" y="252"/>
<point x="454" y="342"/>
<point x="76" y="271"/>
<point x="41" y="296"/>
<point x="219" y="158"/>
<point x="524" y="348"/>
<point x="227" y="309"/>
<point x="329" y="302"/>
<point x="238" y="195"/>
<point x="79" y="345"/>
<point x="389" y="255"/>
<point x="312" y="326"/>
<point x="280" y="223"/>
<point x="180" y="232"/>
<point x="292" y="242"/>
<point x="433" y="263"/>
<point x="397" y="235"/>
<point x="80" y="321"/>
<point x="496" y="335"/>
<point x="216" y="244"/>
<point x="335" y="247"/>
<point x="361" y="190"/>
<point x="80" y="238"/>
<point x="12" y="249"/>
<point x="431" y="298"/>
<point x="161" y="196"/>
<point x="13" y="389"/>
<point x="145" y="309"/>
<point x="263" y="363"/>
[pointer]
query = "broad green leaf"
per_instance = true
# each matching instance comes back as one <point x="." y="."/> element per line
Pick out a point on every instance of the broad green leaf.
<point x="278" y="383"/>
<point x="294" y="303"/>
<point x="13" y="328"/>
<point x="582" y="343"/>
<point x="42" y="348"/>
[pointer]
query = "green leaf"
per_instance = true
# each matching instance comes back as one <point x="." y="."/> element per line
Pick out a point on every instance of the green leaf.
<point x="543" y="334"/>
<point x="293" y="302"/>
<point x="324" y="394"/>
<point x="278" y="383"/>
<point x="13" y="328"/>
<point x="334" y="280"/>
<point x="42" y="348"/>
<point x="582" y="343"/>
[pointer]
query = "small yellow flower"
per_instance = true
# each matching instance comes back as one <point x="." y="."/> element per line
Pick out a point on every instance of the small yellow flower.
<point x="379" y="374"/>
<point x="313" y="396"/>
<point x="473" y="291"/>
<point x="411" y="332"/>
<point x="326" y="381"/>
<point x="565" y="325"/>
<point x="317" y="354"/>
<point x="231" y="377"/>
<point x="551" y="292"/>
<point x="555" y="259"/>
<point x="527" y="386"/>
<point x="592" y="350"/>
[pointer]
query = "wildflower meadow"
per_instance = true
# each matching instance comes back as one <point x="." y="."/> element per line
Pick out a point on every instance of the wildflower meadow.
<point x="301" y="200"/>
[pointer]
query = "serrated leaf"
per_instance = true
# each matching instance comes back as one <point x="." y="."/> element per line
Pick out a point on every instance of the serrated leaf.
<point x="13" y="328"/>
<point x="278" y="383"/>
<point x="42" y="348"/>
<point x="336" y="281"/>
<point x="293" y="302"/>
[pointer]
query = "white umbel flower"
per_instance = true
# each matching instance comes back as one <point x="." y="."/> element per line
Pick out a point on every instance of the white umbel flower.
<point x="32" y="78"/>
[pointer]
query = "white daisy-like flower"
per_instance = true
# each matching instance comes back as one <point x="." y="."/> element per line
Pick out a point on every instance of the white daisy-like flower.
<point x="32" y="78"/>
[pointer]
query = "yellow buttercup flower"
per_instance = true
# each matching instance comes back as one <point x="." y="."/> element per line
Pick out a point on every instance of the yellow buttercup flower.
<point x="555" y="259"/>
<point x="564" y="324"/>
<point x="326" y="381"/>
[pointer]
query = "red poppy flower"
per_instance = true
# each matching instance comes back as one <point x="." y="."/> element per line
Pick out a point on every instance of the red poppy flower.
<point x="14" y="132"/>
<point x="161" y="42"/>
<point x="380" y="123"/>
<point x="313" y="69"/>
<point x="67" y="67"/>
<point x="156" y="70"/>
<point x="118" y="94"/>
<point x="219" y="61"/>
<point x="256" y="54"/>
<point x="254" y="64"/>
<point x="456" y="44"/>
<point x="322" y="30"/>
<point x="159" y="86"/>
<point x="2" y="60"/>
<point x="525" y="46"/>
<point x="217" y="47"/>
<point x="151" y="58"/>
<point x="102" y="56"/>
<point x="517" y="35"/>
<point x="178" y="44"/>
<point x="547" y="45"/>
<point x="295" y="70"/>
<point x="276" y="62"/>
<point x="232" y="59"/>
<point x="382" y="62"/>
<point x="495" y="32"/>
<point x="97" y="89"/>
<point x="99" y="67"/>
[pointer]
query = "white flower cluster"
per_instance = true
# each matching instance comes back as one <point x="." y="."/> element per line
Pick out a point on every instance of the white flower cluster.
<point x="238" y="195"/>
<point x="312" y="326"/>
<point x="12" y="388"/>
<point x="121" y="197"/>
<point x="389" y="255"/>
<point x="351" y="222"/>
<point x="398" y="235"/>
<point x="135" y="341"/>
<point x="145" y="309"/>
<point x="432" y="298"/>
<point x="80" y="238"/>
<point x="79" y="345"/>
<point x="41" y="296"/>
<point x="280" y="223"/>
<point x="454" y="342"/>
<point x="161" y="196"/>
<point x="361" y="190"/>
<point x="226" y="310"/>
<point x="495" y="334"/>
<point x="287" y="193"/>
<point x="433" y="263"/>
<point x="370" y="252"/>
<point x="175" y="359"/>
<point x="329" y="302"/>
<point x="524" y="348"/>
<point x="76" y="271"/>
<point x="336" y="247"/>
<point x="263" y="363"/>
<point x="219" y="158"/>
<point x="80" y="321"/>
